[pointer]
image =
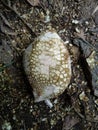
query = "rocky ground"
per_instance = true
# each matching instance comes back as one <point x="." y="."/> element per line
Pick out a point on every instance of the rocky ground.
<point x="76" y="21"/>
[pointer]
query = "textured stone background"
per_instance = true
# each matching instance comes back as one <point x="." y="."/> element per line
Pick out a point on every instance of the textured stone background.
<point x="21" y="22"/>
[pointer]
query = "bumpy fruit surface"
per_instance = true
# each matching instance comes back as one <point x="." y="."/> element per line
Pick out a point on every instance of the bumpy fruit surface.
<point x="47" y="65"/>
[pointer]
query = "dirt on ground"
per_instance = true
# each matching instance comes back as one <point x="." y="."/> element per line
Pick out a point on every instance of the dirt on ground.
<point x="76" y="22"/>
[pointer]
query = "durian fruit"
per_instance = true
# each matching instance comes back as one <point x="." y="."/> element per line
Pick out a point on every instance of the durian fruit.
<point x="92" y="61"/>
<point x="47" y="65"/>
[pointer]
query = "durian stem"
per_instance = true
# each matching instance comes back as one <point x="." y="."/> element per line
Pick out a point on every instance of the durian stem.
<point x="48" y="103"/>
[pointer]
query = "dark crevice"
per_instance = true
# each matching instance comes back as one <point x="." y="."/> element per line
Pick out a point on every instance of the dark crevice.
<point x="86" y="70"/>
